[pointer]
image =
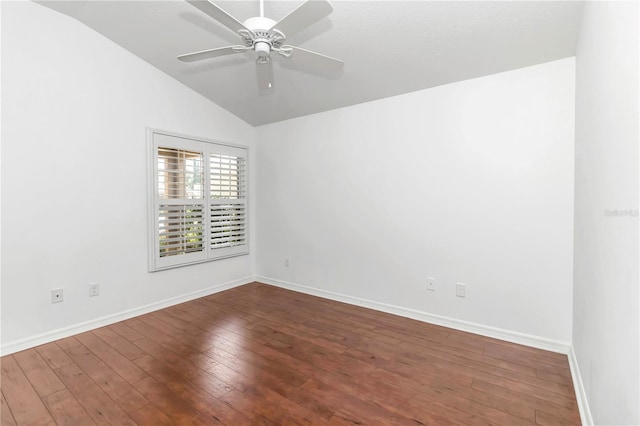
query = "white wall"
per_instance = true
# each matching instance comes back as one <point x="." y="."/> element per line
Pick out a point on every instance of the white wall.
<point x="605" y="321"/>
<point x="74" y="111"/>
<point x="470" y="182"/>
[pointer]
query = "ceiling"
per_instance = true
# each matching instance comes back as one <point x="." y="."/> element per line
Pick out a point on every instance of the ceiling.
<point x="389" y="47"/>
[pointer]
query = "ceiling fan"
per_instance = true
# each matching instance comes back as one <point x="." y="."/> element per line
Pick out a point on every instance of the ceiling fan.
<point x="264" y="36"/>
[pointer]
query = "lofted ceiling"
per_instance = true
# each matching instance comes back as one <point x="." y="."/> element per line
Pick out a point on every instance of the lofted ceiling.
<point x="389" y="47"/>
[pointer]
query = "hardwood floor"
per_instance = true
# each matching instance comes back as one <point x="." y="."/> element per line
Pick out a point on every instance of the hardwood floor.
<point x="258" y="354"/>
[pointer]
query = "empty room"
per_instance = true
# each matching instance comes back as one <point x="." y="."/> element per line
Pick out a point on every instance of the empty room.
<point x="301" y="212"/>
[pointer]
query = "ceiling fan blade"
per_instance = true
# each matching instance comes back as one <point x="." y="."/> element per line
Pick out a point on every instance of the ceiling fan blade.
<point x="264" y="74"/>
<point x="313" y="60"/>
<point x="219" y="14"/>
<point x="211" y="53"/>
<point x="303" y="16"/>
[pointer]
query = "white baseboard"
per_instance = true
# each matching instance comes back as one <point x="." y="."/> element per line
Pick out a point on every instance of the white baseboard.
<point x="483" y="330"/>
<point x="50" y="336"/>
<point x="581" y="395"/>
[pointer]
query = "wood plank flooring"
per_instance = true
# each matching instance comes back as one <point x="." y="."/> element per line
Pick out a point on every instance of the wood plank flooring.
<point x="258" y="354"/>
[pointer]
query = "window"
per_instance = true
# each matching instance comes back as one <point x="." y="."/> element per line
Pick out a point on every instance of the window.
<point x="197" y="201"/>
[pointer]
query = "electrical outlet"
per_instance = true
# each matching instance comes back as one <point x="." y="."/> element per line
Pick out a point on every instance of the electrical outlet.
<point x="287" y="262"/>
<point x="461" y="290"/>
<point x="94" y="289"/>
<point x="431" y="284"/>
<point x="57" y="295"/>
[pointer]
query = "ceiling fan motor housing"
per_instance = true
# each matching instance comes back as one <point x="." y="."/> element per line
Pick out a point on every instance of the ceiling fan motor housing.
<point x="263" y="38"/>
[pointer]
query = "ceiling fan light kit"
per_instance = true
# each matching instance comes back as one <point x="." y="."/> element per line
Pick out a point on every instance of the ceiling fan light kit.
<point x="263" y="36"/>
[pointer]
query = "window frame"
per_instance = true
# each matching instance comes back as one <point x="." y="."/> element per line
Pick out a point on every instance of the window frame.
<point x="159" y="138"/>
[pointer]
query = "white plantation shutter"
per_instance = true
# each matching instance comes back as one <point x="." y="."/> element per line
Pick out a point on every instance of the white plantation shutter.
<point x="228" y="213"/>
<point x="227" y="225"/>
<point x="180" y="173"/>
<point x="198" y="196"/>
<point x="180" y="229"/>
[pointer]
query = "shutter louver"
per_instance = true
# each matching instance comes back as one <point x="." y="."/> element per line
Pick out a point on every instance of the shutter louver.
<point x="227" y="177"/>
<point x="180" y="174"/>
<point x="227" y="225"/>
<point x="181" y="230"/>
